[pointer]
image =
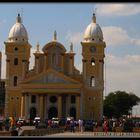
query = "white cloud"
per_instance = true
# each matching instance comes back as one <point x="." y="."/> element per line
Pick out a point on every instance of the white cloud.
<point x="3" y="21"/>
<point x="122" y="73"/>
<point x="117" y="9"/>
<point x="75" y="37"/>
<point x="116" y="36"/>
<point x="135" y="41"/>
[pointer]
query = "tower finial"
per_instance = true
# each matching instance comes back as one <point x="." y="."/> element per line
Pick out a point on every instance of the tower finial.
<point x="94" y="16"/>
<point x="55" y="35"/>
<point x="37" y="48"/>
<point x="18" y="18"/>
<point x="71" y="47"/>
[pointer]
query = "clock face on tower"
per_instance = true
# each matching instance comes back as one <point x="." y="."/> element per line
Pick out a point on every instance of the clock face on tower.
<point x="92" y="49"/>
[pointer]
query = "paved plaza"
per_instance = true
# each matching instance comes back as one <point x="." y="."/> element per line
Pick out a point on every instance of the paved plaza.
<point x="84" y="134"/>
<point x="94" y="134"/>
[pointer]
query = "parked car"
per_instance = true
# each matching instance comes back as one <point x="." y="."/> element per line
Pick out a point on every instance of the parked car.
<point x="55" y="123"/>
<point x="88" y="125"/>
<point x="36" y="119"/>
<point x="21" y="121"/>
<point x="55" y="120"/>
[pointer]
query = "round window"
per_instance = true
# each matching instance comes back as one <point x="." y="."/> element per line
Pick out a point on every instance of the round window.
<point x="53" y="99"/>
<point x="16" y="49"/>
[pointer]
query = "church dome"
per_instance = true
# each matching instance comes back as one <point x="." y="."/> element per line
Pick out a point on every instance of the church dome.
<point x="18" y="32"/>
<point x="93" y="31"/>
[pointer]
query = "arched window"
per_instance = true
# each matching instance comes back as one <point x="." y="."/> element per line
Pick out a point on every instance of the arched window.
<point x="15" y="80"/>
<point x="92" y="62"/>
<point x="16" y="61"/>
<point x="92" y="81"/>
<point x="53" y="59"/>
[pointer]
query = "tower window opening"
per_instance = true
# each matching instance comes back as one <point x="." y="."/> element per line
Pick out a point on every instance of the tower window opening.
<point x="92" y="62"/>
<point x="92" y="81"/>
<point x="16" y="49"/>
<point x="33" y="99"/>
<point x="15" y="80"/>
<point x="16" y="61"/>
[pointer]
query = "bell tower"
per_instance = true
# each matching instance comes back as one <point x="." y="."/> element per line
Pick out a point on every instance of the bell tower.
<point x="93" y="71"/>
<point x="17" y="50"/>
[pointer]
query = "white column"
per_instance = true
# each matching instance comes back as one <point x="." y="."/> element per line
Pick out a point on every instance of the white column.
<point x="41" y="107"/>
<point x="38" y="102"/>
<point x="68" y="105"/>
<point x="21" y="106"/>
<point x="29" y="99"/>
<point x="26" y="105"/>
<point x="77" y="107"/>
<point x="45" y="106"/>
<point x="81" y="105"/>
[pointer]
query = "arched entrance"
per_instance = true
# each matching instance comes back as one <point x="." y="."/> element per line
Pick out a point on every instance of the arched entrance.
<point x="52" y="112"/>
<point x="32" y="113"/>
<point x="73" y="112"/>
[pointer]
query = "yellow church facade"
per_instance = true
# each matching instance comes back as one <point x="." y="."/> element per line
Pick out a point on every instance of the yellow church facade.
<point x="54" y="87"/>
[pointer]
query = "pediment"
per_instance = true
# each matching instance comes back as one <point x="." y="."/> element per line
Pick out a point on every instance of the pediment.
<point x="50" y="77"/>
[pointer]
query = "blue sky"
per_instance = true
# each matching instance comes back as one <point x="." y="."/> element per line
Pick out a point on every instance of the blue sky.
<point x="120" y="23"/>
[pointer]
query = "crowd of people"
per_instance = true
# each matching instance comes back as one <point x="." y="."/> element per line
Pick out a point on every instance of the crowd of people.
<point x="10" y="124"/>
<point x="107" y="125"/>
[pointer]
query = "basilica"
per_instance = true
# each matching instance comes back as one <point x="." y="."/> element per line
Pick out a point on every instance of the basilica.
<point x="54" y="87"/>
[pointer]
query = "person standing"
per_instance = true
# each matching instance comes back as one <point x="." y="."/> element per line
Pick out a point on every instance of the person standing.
<point x="114" y="126"/>
<point x="105" y="125"/>
<point x="72" y="125"/>
<point x="80" y="125"/>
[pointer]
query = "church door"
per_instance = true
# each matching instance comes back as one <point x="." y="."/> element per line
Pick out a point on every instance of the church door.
<point x="52" y="112"/>
<point x="32" y="113"/>
<point x="73" y="112"/>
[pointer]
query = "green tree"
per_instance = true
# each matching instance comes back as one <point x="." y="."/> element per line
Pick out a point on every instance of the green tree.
<point x="119" y="103"/>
